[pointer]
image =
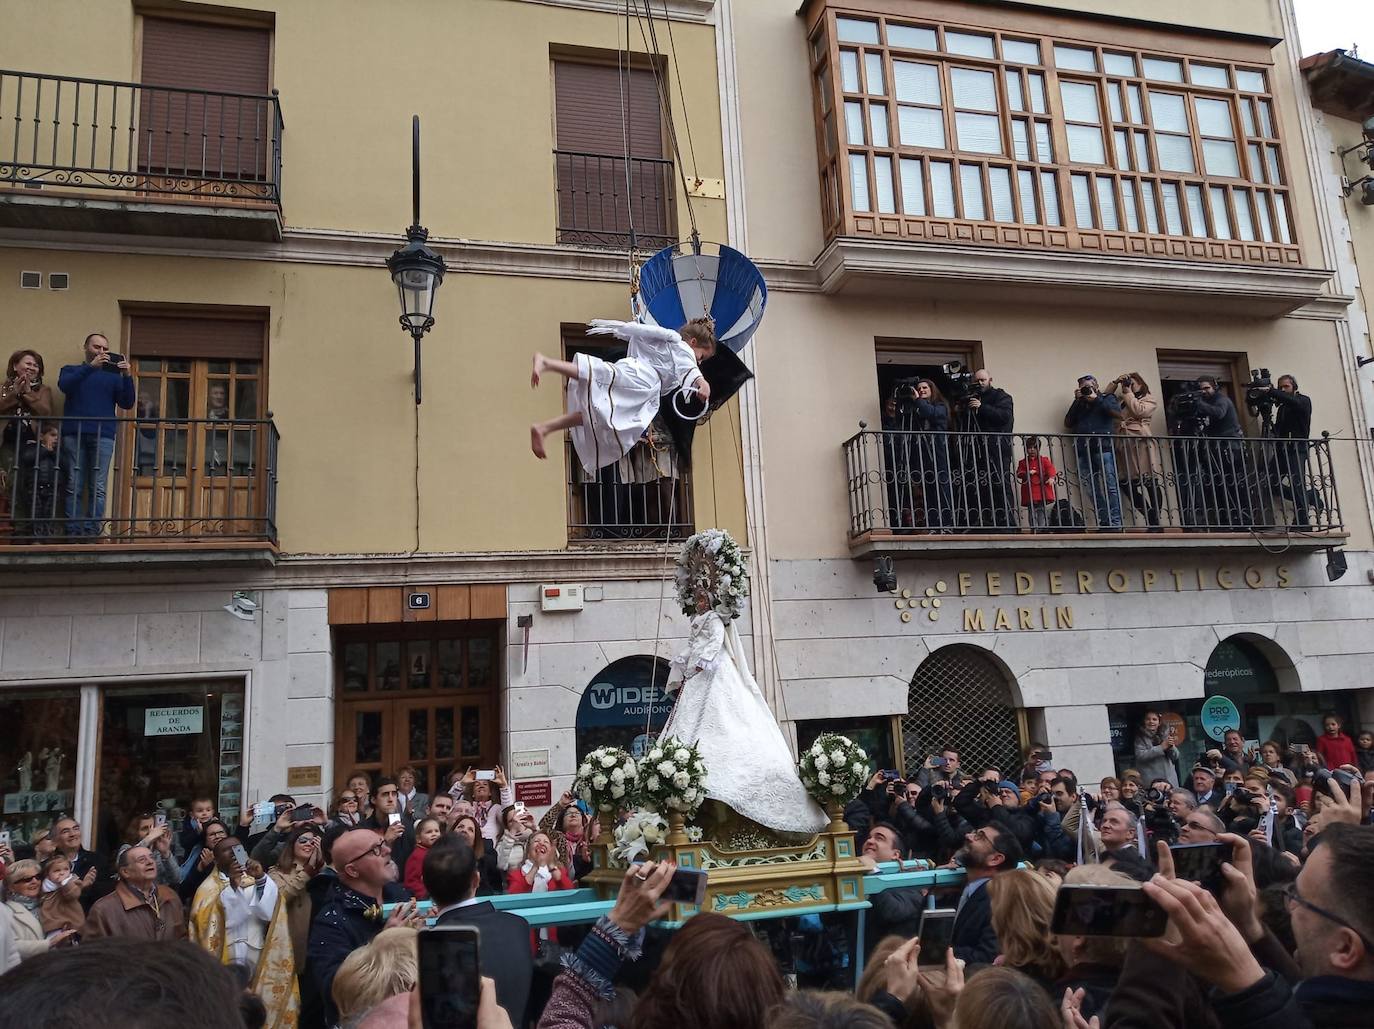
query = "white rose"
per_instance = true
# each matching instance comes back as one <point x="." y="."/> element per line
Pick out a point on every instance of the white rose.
<point x="652" y="783"/>
<point x="655" y="756"/>
<point x="617" y="790"/>
<point x="822" y="762"/>
<point x="837" y="756"/>
<point x="681" y="780"/>
<point x="857" y="768"/>
<point x="599" y="781"/>
<point x="584" y="770"/>
<point x="837" y="789"/>
<point x="667" y="769"/>
<point x="817" y="750"/>
<point x="618" y="774"/>
<point x="690" y="794"/>
<point x="823" y="778"/>
<point x="681" y="756"/>
<point x="608" y="761"/>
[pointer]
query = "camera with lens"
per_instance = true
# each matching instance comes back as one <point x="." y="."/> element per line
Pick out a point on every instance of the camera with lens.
<point x="1087" y="391"/>
<point x="960" y="381"/>
<point x="1157" y="795"/>
<point x="1323" y="776"/>
<point x="113" y="362"/>
<point x="1258" y="388"/>
<point x="1243" y="796"/>
<point x="939" y="791"/>
<point x="1185" y="410"/>
<point x="904" y="390"/>
<point x="1161" y="823"/>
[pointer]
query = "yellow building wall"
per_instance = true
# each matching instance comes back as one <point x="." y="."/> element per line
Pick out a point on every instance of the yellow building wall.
<point x="1345" y="134"/>
<point x="352" y="72"/>
<point x="340" y="393"/>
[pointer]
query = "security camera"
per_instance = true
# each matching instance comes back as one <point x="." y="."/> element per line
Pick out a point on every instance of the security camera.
<point x="884" y="575"/>
<point x="242" y="606"/>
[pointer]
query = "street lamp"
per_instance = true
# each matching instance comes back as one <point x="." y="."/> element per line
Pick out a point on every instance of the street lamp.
<point x="416" y="269"/>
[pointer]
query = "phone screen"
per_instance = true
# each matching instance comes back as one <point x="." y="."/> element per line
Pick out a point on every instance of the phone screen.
<point x="937" y="930"/>
<point x="241" y="856"/>
<point x="1201" y="863"/>
<point x="450" y="977"/>
<point x="393" y="818"/>
<point x="4" y="837"/>
<point x="1106" y="911"/>
<point x="303" y="813"/>
<point x="687" y="886"/>
<point x="485" y="775"/>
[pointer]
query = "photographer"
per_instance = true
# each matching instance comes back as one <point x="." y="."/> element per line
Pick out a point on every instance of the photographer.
<point x="1137" y="455"/>
<point x="987" y="415"/>
<point x="1225" y="492"/>
<point x="1156" y="754"/>
<point x="1159" y="819"/>
<point x="916" y="424"/>
<point x="1289" y="475"/>
<point x="1092" y="417"/>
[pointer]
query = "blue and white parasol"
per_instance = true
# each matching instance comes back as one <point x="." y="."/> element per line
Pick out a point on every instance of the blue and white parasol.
<point x="683" y="282"/>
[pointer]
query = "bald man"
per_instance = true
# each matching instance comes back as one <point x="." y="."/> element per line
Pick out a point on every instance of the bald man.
<point x="985" y="458"/>
<point x="366" y="880"/>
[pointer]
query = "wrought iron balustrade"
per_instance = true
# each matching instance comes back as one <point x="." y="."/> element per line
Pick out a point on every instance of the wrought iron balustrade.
<point x="596" y="198"/>
<point x="137" y="480"/>
<point x="644" y="496"/>
<point x="58" y="130"/>
<point x="930" y="483"/>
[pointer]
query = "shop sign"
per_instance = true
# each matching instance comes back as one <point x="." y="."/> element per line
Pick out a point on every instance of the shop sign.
<point x="529" y="764"/>
<point x="535" y="792"/>
<point x="173" y="721"/>
<point x="1219" y="716"/>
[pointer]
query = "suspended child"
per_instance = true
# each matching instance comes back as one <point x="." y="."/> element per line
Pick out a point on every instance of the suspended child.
<point x="611" y="404"/>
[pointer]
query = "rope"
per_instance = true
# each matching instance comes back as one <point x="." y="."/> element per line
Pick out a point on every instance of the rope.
<point x="658" y="622"/>
<point x="651" y="45"/>
<point x="622" y="66"/>
<point x="682" y="95"/>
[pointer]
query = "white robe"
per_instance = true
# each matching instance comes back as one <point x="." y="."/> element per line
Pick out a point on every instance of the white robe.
<point x="719" y="707"/>
<point x="247" y="914"/>
<point x="619" y="399"/>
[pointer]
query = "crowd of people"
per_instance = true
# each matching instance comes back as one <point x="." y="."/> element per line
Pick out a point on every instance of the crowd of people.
<point x="290" y="914"/>
<point x="951" y="462"/>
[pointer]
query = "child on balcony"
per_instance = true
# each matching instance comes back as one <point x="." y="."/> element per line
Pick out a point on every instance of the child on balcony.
<point x="1036" y="475"/>
<point x="611" y="404"/>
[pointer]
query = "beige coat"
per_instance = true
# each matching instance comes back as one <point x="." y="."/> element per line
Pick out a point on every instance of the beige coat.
<point x="1136" y="455"/>
<point x="29" y="938"/>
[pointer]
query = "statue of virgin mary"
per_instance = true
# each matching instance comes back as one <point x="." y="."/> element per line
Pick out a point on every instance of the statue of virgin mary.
<point x="719" y="706"/>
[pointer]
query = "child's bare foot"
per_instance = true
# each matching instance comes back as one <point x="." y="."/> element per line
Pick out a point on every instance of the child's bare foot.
<point x="537" y="442"/>
<point x="537" y="371"/>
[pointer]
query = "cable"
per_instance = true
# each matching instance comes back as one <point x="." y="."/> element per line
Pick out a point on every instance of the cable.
<point x="651" y="46"/>
<point x="682" y="95"/>
<point x="623" y="73"/>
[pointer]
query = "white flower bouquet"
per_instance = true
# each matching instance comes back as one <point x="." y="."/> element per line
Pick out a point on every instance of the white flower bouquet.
<point x="637" y="837"/>
<point x="834" y="769"/>
<point x="672" y="777"/>
<point x="712" y="563"/>
<point x="607" y="780"/>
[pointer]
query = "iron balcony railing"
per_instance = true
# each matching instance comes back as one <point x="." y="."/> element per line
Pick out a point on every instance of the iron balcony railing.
<point x="58" y="130"/>
<point x="595" y="200"/>
<point x="137" y="480"/>
<point x="644" y="496"/>
<point x="924" y="483"/>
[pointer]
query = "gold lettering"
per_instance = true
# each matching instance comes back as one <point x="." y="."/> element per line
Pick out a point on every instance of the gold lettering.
<point x="1002" y="621"/>
<point x="1178" y="579"/>
<point x="1056" y="582"/>
<point x="1224" y="579"/>
<point x="965" y="583"/>
<point x="994" y="584"/>
<point x="1024" y="584"/>
<point x="1282" y="573"/>
<point x="1147" y="579"/>
<point x="1085" y="582"/>
<point x="1254" y="578"/>
<point x="1023" y="615"/>
<point x="1063" y="617"/>
<point x="1116" y="581"/>
<point x="973" y="620"/>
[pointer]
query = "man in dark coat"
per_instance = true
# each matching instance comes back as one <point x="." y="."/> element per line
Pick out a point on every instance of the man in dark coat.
<point x="986" y="852"/>
<point x="451" y="877"/>
<point x="1288" y="468"/>
<point x="987" y="414"/>
<point x="86" y="865"/>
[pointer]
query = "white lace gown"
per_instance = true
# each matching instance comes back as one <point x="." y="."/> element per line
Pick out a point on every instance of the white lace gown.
<point x="719" y="707"/>
<point x="619" y="399"/>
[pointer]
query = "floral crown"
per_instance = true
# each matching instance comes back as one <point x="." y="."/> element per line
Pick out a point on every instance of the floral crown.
<point x="711" y="563"/>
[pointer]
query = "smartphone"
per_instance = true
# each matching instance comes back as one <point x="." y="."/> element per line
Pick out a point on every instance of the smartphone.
<point x="4" y="838"/>
<point x="160" y="820"/>
<point x="450" y="976"/>
<point x="241" y="856"/>
<point x="303" y="813"/>
<point x="1201" y="863"/>
<point x="113" y="364"/>
<point x="937" y="931"/>
<point x="520" y="806"/>
<point x="1106" y="911"/>
<point x="891" y="775"/>
<point x="687" y="886"/>
<point x="937" y="762"/>
<point x="393" y="818"/>
<point x="485" y="775"/>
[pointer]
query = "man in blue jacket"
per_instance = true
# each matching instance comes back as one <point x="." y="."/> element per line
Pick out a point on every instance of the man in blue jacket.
<point x="93" y="391"/>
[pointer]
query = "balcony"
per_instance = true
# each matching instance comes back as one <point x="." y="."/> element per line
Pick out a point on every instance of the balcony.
<point x="633" y="499"/>
<point x="593" y="209"/>
<point x="929" y="494"/>
<point x="146" y="490"/>
<point x="91" y="155"/>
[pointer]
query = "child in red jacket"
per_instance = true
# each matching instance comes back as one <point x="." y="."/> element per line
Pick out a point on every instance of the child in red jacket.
<point x="1036" y="475"/>
<point x="1335" y="748"/>
<point x="426" y="834"/>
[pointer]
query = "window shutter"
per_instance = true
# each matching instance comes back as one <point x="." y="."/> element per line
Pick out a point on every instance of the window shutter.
<point x="207" y="136"/>
<point x="190" y="336"/>
<point x="588" y="109"/>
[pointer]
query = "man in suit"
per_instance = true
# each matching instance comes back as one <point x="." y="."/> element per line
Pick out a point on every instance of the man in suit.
<point x="985" y="853"/>
<point x="451" y="877"/>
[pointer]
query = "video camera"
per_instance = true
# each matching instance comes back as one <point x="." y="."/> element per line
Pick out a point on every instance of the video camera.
<point x="1185" y="410"/>
<point x="1257" y="390"/>
<point x="904" y="390"/>
<point x="960" y="381"/>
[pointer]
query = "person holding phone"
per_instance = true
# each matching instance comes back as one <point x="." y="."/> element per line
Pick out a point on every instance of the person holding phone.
<point x="1156" y="750"/>
<point x="515" y="838"/>
<point x="149" y="831"/>
<point x="88" y="429"/>
<point x="489" y="797"/>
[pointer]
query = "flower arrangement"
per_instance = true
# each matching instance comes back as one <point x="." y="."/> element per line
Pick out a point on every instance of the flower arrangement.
<point x="834" y="769"/>
<point x="635" y="839"/>
<point x="607" y="779"/>
<point x="672" y="777"/>
<point x="711" y="562"/>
